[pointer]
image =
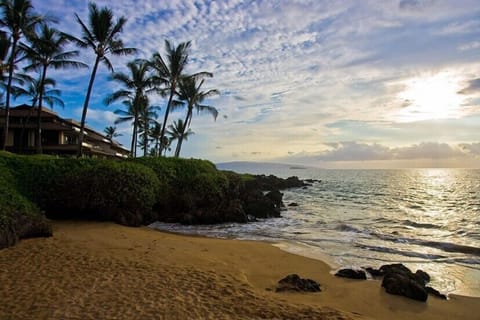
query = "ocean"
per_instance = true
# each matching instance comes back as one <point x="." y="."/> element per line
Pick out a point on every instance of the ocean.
<point x="427" y="219"/>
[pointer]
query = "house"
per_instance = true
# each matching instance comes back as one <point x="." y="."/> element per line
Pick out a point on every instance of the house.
<point x="59" y="136"/>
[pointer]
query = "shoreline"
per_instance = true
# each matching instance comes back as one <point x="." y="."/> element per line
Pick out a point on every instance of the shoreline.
<point x="103" y="270"/>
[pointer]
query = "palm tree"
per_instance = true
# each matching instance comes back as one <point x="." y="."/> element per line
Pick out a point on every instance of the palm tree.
<point x="18" y="18"/>
<point x="129" y="115"/>
<point x="136" y="87"/>
<point x="111" y="132"/>
<point x="51" y="97"/>
<point x="191" y="93"/>
<point x="154" y="134"/>
<point x="4" y="47"/>
<point x="47" y="49"/>
<point x="146" y="117"/>
<point x="176" y="131"/>
<point x="102" y="38"/>
<point x="169" y="71"/>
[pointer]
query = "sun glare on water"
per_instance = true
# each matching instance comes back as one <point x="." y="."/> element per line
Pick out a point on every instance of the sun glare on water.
<point x="431" y="98"/>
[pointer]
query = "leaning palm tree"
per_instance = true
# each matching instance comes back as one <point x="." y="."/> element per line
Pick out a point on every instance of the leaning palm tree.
<point x="47" y="50"/>
<point x="18" y="17"/>
<point x="111" y="132"/>
<point x="191" y="93"/>
<point x="102" y="36"/>
<point x="178" y="130"/>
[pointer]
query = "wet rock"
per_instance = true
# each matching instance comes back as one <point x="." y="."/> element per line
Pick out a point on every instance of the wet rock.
<point x="351" y="274"/>
<point x="422" y="276"/>
<point x="276" y="197"/>
<point x="293" y="282"/>
<point x="399" y="280"/>
<point x="436" y="293"/>
<point x="293" y="204"/>
<point x="373" y="272"/>
<point x="396" y="268"/>
<point x="404" y="285"/>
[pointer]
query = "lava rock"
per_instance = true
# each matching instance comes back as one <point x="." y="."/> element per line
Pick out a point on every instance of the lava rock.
<point x="373" y="272"/>
<point x="422" y="276"/>
<point x="351" y="274"/>
<point x="399" y="280"/>
<point x="293" y="282"/>
<point x="436" y="293"/>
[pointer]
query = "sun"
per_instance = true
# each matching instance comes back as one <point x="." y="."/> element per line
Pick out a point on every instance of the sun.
<point x="431" y="97"/>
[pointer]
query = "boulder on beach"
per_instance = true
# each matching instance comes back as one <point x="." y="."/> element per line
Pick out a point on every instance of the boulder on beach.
<point x="293" y="282"/>
<point x="351" y="274"/>
<point x="399" y="280"/>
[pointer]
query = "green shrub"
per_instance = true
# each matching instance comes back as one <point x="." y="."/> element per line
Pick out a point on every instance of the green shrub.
<point x="19" y="218"/>
<point x="192" y="191"/>
<point x="103" y="190"/>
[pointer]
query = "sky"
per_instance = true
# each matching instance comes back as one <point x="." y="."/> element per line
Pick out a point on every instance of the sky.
<point x="332" y="84"/>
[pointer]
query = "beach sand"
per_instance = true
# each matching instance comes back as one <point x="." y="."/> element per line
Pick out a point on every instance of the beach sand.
<point x="91" y="270"/>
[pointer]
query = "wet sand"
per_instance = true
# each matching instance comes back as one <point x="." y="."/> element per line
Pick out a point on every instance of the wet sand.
<point x="91" y="270"/>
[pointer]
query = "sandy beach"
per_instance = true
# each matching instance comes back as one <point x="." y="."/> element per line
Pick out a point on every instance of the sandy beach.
<point x="93" y="270"/>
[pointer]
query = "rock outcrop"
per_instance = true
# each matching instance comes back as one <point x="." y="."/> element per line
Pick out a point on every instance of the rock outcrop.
<point x="293" y="282"/>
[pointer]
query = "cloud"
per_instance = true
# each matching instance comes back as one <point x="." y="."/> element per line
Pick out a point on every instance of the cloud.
<point x="427" y="150"/>
<point x="472" y="148"/>
<point x="355" y="151"/>
<point x="414" y="4"/>
<point x="473" y="86"/>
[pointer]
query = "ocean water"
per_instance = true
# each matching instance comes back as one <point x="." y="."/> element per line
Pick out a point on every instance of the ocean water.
<point x="425" y="218"/>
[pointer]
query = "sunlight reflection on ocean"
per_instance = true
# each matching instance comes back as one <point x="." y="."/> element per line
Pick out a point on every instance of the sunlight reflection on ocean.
<point x="424" y="218"/>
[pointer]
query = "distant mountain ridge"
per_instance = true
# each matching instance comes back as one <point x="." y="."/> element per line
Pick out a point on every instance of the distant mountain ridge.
<point x="259" y="167"/>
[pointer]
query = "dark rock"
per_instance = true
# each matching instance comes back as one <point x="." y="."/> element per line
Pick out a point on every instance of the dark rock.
<point x="271" y="182"/>
<point x="404" y="285"/>
<point x="276" y="197"/>
<point x="351" y="274"/>
<point x="422" y="276"/>
<point x="396" y="268"/>
<point x="399" y="280"/>
<point x="255" y="203"/>
<point x="293" y="204"/>
<point x="293" y="282"/>
<point x="24" y="226"/>
<point x="373" y="272"/>
<point x="436" y="293"/>
<point x="235" y="212"/>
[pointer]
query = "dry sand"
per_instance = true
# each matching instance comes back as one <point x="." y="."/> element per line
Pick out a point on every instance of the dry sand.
<point x="106" y="271"/>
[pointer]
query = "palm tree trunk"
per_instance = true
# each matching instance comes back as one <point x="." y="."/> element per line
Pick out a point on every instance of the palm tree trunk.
<point x="145" y="145"/>
<point x="11" y="65"/>
<point x="85" y="105"/>
<point x="180" y="139"/>
<point x="162" y="133"/>
<point x="39" y="112"/>
<point x="24" y="124"/>
<point x="134" y="137"/>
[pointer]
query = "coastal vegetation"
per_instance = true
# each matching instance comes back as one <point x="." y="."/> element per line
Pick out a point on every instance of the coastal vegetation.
<point x="130" y="192"/>
<point x="30" y="46"/>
